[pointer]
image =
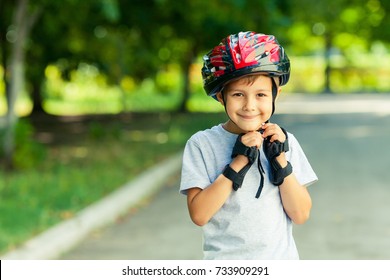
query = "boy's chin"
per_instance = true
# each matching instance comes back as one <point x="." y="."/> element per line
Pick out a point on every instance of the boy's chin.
<point x="247" y="128"/>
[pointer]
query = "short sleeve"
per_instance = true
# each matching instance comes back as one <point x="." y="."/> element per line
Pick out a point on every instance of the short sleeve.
<point x="301" y="166"/>
<point x="194" y="172"/>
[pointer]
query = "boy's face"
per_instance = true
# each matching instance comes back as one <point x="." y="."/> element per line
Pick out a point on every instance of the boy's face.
<point x="248" y="103"/>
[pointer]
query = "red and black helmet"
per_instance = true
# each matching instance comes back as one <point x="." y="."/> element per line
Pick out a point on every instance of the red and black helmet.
<point x="242" y="54"/>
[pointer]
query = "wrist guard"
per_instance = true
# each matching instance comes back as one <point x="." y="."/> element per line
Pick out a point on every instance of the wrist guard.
<point x="236" y="177"/>
<point x="240" y="149"/>
<point x="272" y="150"/>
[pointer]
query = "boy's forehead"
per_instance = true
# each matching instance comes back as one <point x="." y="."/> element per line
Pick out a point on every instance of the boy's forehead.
<point x="250" y="80"/>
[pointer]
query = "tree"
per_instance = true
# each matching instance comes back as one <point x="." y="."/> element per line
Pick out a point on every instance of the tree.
<point x="22" y="23"/>
<point x="191" y="27"/>
<point x="67" y="32"/>
<point x="339" y="24"/>
<point x="43" y="44"/>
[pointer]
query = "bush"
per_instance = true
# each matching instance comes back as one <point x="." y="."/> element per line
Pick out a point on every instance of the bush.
<point x="27" y="152"/>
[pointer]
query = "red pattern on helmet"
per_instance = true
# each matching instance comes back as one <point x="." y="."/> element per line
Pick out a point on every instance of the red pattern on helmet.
<point x="217" y="60"/>
<point x="250" y="47"/>
<point x="241" y="54"/>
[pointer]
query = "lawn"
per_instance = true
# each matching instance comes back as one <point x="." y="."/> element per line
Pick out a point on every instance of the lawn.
<point x="84" y="160"/>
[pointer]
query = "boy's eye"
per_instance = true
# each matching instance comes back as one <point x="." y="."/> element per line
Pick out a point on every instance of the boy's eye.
<point x="238" y="94"/>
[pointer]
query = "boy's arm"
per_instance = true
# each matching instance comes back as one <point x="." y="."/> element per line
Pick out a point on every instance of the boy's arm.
<point x="203" y="204"/>
<point x="295" y="197"/>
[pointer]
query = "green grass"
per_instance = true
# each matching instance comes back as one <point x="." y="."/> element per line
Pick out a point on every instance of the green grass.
<point x="89" y="167"/>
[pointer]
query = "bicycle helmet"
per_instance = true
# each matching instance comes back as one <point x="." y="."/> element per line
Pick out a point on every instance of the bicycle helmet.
<point x="242" y="54"/>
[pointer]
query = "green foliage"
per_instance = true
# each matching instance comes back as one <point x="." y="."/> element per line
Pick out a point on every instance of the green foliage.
<point x="140" y="40"/>
<point x="97" y="131"/>
<point x="167" y="80"/>
<point x="28" y="152"/>
<point x="359" y="71"/>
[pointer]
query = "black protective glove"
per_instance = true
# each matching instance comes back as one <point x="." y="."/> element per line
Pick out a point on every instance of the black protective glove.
<point x="240" y="149"/>
<point x="272" y="150"/>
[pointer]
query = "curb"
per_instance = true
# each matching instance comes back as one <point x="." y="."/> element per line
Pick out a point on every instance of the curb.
<point x="334" y="104"/>
<point x="57" y="240"/>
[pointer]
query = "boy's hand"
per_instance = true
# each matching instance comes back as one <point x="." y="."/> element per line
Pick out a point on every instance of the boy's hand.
<point x="252" y="139"/>
<point x="275" y="146"/>
<point x="273" y="131"/>
<point x="249" y="139"/>
<point x="243" y="151"/>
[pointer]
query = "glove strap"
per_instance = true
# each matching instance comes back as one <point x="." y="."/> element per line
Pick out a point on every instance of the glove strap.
<point x="281" y="173"/>
<point x="240" y="149"/>
<point x="236" y="177"/>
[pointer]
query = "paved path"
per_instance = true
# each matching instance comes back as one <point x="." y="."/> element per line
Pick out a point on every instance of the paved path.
<point x="159" y="229"/>
<point x="350" y="216"/>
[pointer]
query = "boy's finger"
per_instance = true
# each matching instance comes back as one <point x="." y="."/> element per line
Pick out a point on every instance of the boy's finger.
<point x="252" y="138"/>
<point x="275" y="132"/>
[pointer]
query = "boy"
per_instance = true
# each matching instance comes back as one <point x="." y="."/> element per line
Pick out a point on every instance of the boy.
<point x="246" y="179"/>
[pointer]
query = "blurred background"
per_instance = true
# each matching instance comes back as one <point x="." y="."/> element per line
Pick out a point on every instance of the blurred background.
<point x="92" y="92"/>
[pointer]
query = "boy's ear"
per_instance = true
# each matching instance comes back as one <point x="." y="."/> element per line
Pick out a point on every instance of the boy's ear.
<point x="220" y="98"/>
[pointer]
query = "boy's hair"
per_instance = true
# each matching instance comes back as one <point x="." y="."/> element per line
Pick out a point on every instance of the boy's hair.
<point x="248" y="79"/>
<point x="243" y="54"/>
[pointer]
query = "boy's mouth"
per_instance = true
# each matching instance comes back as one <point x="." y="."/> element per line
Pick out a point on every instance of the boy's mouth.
<point x="248" y="117"/>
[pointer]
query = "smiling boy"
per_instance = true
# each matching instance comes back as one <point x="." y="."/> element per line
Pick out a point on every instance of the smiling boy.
<point x="246" y="179"/>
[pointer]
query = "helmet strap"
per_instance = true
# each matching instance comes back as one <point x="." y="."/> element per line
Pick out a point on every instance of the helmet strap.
<point x="274" y="94"/>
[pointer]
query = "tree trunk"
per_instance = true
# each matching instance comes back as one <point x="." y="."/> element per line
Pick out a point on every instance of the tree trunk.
<point x="186" y="67"/>
<point x="22" y="23"/>
<point x="328" y="67"/>
<point x="36" y="96"/>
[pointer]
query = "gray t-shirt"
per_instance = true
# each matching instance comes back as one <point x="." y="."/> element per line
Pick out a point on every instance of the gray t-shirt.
<point x="245" y="227"/>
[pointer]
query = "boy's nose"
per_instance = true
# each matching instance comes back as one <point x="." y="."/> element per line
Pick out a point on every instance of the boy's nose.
<point x="249" y="104"/>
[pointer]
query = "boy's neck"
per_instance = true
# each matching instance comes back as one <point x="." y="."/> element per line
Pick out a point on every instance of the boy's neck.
<point x="233" y="128"/>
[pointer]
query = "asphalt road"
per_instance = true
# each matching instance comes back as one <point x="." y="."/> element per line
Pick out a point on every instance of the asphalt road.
<point x="350" y="216"/>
